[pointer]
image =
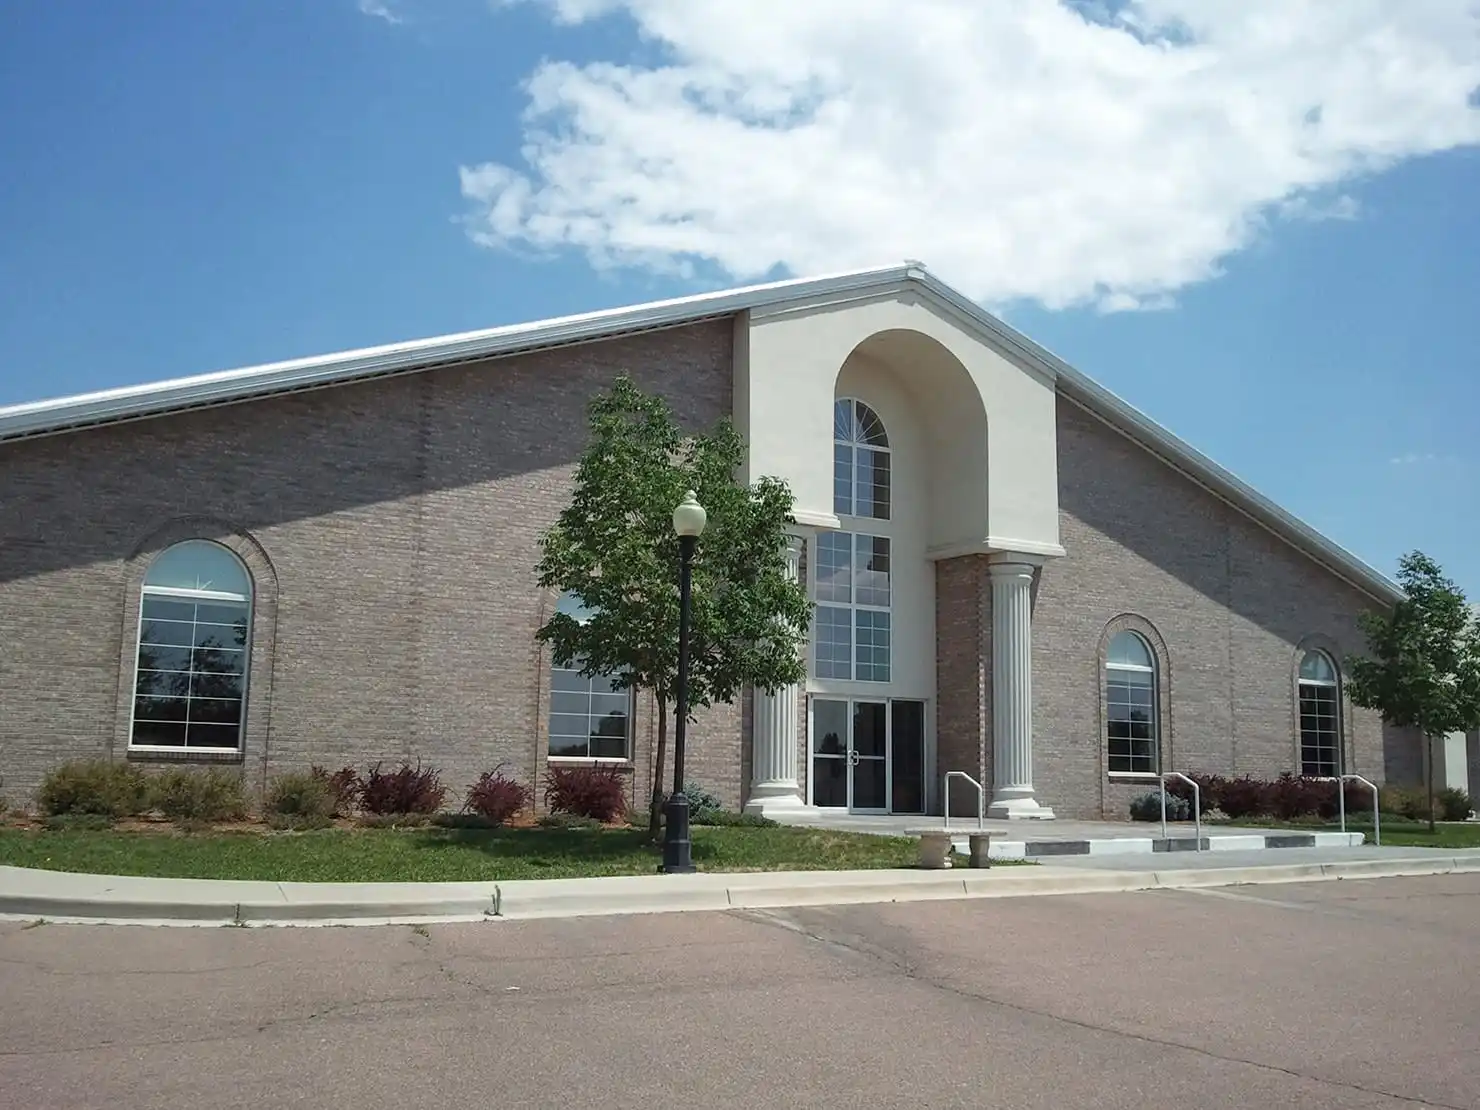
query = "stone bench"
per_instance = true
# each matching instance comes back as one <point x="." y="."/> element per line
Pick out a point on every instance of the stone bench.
<point x="935" y="846"/>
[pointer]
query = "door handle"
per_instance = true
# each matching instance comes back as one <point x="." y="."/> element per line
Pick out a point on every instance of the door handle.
<point x="853" y="758"/>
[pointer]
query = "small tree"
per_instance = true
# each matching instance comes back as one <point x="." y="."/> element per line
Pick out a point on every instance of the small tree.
<point x="1424" y="672"/>
<point x="614" y="548"/>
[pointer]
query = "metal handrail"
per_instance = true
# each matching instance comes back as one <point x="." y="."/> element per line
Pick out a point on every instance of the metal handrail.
<point x="981" y="798"/>
<point x="1196" y="803"/>
<point x="1376" y="815"/>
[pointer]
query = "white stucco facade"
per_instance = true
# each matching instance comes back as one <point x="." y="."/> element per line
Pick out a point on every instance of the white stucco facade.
<point x="972" y="456"/>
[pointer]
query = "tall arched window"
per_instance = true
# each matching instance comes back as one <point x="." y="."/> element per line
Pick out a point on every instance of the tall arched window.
<point x="1320" y="715"/>
<point x="195" y="624"/>
<point x="861" y="464"/>
<point x="853" y="572"/>
<point x="589" y="717"/>
<point x="1133" y="730"/>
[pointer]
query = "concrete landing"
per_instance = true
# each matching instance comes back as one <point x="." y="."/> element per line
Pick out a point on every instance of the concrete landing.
<point x="1015" y="840"/>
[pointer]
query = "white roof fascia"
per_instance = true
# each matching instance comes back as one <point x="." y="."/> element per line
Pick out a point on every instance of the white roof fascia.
<point x="1140" y="428"/>
<point x="230" y="386"/>
<point x="226" y="386"/>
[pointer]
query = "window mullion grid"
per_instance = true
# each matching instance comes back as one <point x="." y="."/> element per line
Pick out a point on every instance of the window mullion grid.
<point x="1122" y="682"/>
<point x="590" y="713"/>
<point x="861" y="552"/>
<point x="190" y="680"/>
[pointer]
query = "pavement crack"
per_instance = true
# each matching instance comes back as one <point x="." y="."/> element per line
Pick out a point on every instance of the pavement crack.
<point x="164" y="972"/>
<point x="899" y="965"/>
<point x="851" y="944"/>
<point x="1165" y="1042"/>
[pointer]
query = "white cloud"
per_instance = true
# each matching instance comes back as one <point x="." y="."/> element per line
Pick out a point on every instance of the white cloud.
<point x="1421" y="458"/>
<point x="380" y="10"/>
<point x="1108" y="152"/>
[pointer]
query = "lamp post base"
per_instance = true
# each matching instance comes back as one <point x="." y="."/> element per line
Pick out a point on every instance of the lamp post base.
<point x="678" y="856"/>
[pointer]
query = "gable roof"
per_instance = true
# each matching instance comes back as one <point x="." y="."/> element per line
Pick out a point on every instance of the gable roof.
<point x="109" y="406"/>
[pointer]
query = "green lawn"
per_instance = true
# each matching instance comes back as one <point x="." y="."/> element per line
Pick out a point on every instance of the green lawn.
<point x="431" y="854"/>
<point x="1415" y="834"/>
<point x="1399" y="832"/>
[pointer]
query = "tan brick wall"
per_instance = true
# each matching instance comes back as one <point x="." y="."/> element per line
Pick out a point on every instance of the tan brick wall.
<point x="963" y="623"/>
<point x="1230" y="604"/>
<point x="400" y="522"/>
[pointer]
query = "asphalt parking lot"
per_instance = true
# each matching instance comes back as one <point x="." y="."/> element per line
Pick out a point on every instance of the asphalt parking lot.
<point x="1346" y="994"/>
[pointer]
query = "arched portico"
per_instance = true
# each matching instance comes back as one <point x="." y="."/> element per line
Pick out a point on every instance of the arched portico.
<point x="968" y="436"/>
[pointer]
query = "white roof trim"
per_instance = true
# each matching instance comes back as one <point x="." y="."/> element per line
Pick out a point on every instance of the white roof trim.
<point x="228" y="386"/>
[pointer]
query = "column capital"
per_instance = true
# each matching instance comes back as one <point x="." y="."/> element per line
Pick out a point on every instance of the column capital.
<point x="1012" y="564"/>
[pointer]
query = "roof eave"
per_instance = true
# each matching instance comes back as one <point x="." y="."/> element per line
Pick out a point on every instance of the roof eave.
<point x="229" y="386"/>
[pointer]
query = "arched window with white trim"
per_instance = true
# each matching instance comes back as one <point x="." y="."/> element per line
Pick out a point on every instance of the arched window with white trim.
<point x="861" y="461"/>
<point x="1320" y="715"/>
<point x="1132" y="725"/>
<point x="853" y="619"/>
<point x="589" y="717"/>
<point x="195" y="625"/>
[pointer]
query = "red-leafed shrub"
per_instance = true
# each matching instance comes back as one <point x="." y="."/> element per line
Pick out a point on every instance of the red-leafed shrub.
<point x="1244" y="797"/>
<point x="599" y="792"/>
<point x="495" y="797"/>
<point x="407" y="789"/>
<point x="1210" y="790"/>
<point x="344" y="784"/>
<point x="1292" y="796"/>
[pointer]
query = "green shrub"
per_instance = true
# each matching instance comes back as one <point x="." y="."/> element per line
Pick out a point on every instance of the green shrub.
<point x="568" y="821"/>
<point x="728" y="818"/>
<point x="96" y="786"/>
<point x="74" y="822"/>
<point x="394" y="820"/>
<point x="298" y="822"/>
<point x="447" y="820"/>
<point x="185" y="795"/>
<point x="1147" y="807"/>
<point x="303" y="795"/>
<point x="1403" y="801"/>
<point x="1454" y="805"/>
<point x="700" y="800"/>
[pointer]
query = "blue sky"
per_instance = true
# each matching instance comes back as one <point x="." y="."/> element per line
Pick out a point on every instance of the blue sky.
<point x="1282" y="269"/>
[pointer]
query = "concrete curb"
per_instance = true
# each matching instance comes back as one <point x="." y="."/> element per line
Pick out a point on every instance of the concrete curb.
<point x="92" y="899"/>
<point x="1146" y="845"/>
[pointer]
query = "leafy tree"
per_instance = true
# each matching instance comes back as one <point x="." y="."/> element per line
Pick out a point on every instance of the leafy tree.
<point x="1424" y="672"/>
<point x="614" y="548"/>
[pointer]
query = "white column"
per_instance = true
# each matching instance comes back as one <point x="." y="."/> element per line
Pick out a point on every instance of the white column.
<point x="1012" y="693"/>
<point x="774" y="730"/>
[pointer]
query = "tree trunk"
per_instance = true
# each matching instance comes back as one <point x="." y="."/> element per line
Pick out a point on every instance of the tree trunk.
<point x="655" y="802"/>
<point x="1430" y="740"/>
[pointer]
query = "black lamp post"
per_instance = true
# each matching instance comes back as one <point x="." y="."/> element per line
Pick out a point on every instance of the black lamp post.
<point x="688" y="521"/>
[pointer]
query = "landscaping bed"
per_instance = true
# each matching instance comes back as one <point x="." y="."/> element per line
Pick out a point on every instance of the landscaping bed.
<point x="435" y="854"/>
<point x="1313" y="802"/>
<point x="390" y="825"/>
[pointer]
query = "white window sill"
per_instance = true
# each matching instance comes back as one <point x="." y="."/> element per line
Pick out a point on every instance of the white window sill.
<point x="590" y="760"/>
<point x="1133" y="776"/>
<point x="185" y="755"/>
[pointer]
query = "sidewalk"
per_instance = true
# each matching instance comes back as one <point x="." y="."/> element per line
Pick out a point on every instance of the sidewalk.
<point x="1015" y="840"/>
<point x="27" y="894"/>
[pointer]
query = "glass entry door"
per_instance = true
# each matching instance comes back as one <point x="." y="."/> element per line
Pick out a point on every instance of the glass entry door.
<point x="868" y="762"/>
<point x="868" y="756"/>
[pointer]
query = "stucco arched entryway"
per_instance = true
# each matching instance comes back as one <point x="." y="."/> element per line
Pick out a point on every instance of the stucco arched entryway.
<point x="970" y="442"/>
